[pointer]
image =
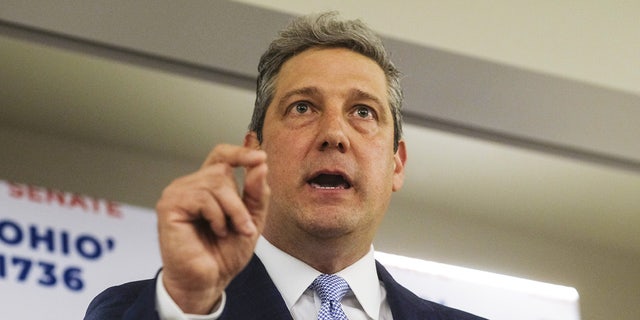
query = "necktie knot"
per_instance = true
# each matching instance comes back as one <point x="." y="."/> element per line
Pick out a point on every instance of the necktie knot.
<point x="331" y="289"/>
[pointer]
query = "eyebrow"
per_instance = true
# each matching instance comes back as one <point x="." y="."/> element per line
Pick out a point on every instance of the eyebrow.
<point x="357" y="94"/>
<point x="305" y="91"/>
<point x="354" y="94"/>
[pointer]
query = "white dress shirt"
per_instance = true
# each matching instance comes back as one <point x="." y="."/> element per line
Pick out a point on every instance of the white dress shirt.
<point x="292" y="277"/>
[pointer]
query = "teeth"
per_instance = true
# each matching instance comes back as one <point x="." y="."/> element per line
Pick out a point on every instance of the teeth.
<point x="317" y="186"/>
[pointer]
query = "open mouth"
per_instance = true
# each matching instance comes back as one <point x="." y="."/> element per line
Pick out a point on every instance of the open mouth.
<point x="329" y="181"/>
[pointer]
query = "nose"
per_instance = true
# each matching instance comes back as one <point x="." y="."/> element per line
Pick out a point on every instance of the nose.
<point x="332" y="133"/>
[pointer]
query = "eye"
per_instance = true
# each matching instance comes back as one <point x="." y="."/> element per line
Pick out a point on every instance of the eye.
<point x="301" y="107"/>
<point x="364" y="112"/>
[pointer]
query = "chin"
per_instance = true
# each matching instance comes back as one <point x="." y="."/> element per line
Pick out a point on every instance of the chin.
<point x="332" y="227"/>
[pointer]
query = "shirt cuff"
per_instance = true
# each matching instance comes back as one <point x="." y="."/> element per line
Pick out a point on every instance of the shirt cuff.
<point x="169" y="310"/>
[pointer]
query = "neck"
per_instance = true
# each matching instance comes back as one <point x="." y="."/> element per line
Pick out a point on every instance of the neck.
<point x="325" y="254"/>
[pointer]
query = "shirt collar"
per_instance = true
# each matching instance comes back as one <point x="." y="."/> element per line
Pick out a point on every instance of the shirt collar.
<point x="361" y="276"/>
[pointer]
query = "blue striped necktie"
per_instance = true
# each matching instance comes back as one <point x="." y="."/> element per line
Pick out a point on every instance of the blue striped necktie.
<point x="331" y="289"/>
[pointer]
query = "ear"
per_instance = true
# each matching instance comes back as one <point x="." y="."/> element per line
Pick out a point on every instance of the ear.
<point x="251" y="140"/>
<point x="400" y="159"/>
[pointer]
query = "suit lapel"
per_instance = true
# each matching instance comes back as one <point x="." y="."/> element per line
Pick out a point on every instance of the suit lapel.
<point x="252" y="295"/>
<point x="403" y="303"/>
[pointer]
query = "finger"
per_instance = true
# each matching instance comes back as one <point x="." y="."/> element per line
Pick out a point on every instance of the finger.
<point x="256" y="193"/>
<point x="235" y="210"/>
<point x="221" y="198"/>
<point x="214" y="215"/>
<point x="235" y="156"/>
<point x="192" y="195"/>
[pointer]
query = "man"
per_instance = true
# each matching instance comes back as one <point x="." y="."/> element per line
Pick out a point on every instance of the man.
<point x="322" y="158"/>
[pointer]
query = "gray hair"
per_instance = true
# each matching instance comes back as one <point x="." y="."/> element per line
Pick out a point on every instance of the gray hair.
<point x="323" y="30"/>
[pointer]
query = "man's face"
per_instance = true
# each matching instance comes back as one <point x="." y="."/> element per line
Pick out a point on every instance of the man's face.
<point x="328" y="135"/>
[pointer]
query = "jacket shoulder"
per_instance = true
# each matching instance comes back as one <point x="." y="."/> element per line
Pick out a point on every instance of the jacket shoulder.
<point x="117" y="302"/>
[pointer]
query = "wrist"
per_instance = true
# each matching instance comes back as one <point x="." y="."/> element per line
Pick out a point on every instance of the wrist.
<point x="190" y="300"/>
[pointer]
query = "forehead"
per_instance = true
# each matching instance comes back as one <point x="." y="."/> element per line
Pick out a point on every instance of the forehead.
<point x="332" y="69"/>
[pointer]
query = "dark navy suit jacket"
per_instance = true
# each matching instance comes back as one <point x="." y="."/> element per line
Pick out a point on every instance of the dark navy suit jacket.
<point x="253" y="296"/>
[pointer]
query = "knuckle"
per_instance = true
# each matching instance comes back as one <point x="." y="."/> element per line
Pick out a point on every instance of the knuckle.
<point x="219" y="151"/>
<point x="199" y="196"/>
<point x="215" y="169"/>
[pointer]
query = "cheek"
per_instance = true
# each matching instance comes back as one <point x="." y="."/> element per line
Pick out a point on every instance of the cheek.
<point x="380" y="178"/>
<point x="284" y="150"/>
<point x="287" y="146"/>
<point x="379" y="168"/>
<point x="281" y="160"/>
<point x="379" y="153"/>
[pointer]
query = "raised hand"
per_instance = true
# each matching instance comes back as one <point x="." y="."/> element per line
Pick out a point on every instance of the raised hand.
<point x="207" y="229"/>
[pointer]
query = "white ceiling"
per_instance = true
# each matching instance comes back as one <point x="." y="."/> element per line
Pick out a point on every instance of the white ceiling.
<point x="99" y="100"/>
<point x="592" y="41"/>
